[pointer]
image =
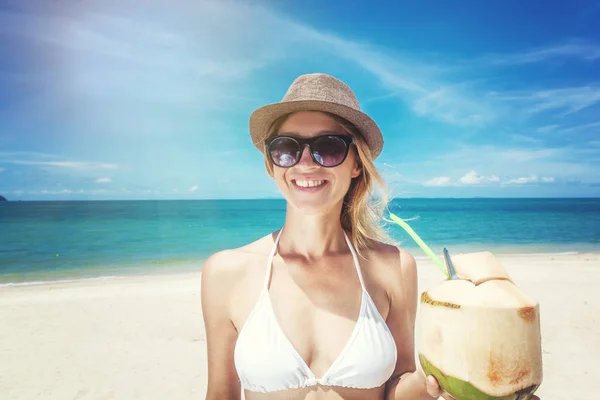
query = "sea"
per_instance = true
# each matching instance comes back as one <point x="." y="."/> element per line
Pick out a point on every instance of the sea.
<point x="65" y="240"/>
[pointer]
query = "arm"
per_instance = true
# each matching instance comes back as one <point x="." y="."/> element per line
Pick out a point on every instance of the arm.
<point x="406" y="382"/>
<point x="216" y="286"/>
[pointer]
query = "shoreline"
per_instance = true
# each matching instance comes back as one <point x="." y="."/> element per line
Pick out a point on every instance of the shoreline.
<point x="195" y="267"/>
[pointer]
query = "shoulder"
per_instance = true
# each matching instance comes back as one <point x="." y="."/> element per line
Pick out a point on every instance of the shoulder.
<point x="230" y="264"/>
<point x="394" y="260"/>
<point x="398" y="268"/>
<point x="225" y="270"/>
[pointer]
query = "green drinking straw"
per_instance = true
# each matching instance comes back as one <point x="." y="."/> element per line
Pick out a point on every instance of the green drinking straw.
<point x="420" y="242"/>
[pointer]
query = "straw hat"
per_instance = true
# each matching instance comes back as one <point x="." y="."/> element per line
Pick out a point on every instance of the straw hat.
<point x="317" y="92"/>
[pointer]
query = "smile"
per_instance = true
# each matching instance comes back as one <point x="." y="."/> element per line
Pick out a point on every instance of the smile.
<point x="309" y="185"/>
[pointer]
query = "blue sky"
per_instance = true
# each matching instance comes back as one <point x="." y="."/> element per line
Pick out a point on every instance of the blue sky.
<point x="110" y="100"/>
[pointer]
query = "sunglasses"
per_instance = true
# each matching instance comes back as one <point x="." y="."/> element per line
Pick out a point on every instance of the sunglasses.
<point x="329" y="150"/>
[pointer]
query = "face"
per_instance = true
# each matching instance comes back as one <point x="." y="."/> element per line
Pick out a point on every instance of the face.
<point x="307" y="185"/>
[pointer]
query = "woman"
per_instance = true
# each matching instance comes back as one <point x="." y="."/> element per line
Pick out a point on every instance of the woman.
<point x="322" y="308"/>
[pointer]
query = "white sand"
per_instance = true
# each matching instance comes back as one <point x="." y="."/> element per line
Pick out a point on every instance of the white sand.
<point x="143" y="337"/>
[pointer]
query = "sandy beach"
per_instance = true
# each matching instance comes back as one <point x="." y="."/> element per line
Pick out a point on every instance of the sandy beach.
<point x="142" y="337"/>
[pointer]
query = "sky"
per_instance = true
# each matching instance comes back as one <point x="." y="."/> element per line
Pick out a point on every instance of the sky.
<point x="114" y="100"/>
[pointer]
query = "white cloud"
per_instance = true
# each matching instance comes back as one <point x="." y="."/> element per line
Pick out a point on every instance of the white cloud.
<point x="103" y="180"/>
<point x="570" y="100"/>
<point x="75" y="165"/>
<point x="2" y="169"/>
<point x="192" y="189"/>
<point x="64" y="191"/>
<point x="559" y="162"/>
<point x="523" y="180"/>
<point x="574" y="50"/>
<point x="453" y="108"/>
<point x="583" y="127"/>
<point x="530" y="179"/>
<point x="472" y="178"/>
<point x="438" y="181"/>
<point x="417" y="83"/>
<point x="565" y="101"/>
<point x="462" y="103"/>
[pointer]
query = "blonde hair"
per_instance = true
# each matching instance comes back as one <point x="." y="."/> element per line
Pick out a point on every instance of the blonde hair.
<point x="362" y="210"/>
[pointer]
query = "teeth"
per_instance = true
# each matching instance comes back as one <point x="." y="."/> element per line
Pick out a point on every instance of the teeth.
<point x="309" y="183"/>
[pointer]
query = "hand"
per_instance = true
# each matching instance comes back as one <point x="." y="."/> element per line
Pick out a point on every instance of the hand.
<point x="435" y="391"/>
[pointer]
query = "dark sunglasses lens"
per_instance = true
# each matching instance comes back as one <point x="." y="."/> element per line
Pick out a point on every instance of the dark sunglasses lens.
<point x="330" y="151"/>
<point x="284" y="152"/>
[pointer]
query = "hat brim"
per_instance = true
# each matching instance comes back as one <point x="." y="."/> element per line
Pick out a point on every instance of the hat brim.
<point x="262" y="119"/>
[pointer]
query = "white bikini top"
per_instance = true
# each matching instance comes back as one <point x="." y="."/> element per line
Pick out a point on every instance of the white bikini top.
<point x="266" y="361"/>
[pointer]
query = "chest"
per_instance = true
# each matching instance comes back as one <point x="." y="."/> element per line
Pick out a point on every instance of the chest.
<point x="316" y="306"/>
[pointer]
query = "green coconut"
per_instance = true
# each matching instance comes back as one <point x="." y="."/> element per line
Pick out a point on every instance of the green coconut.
<point x="479" y="334"/>
<point x="465" y="391"/>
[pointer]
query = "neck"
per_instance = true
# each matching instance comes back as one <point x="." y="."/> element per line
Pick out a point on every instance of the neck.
<point x="312" y="236"/>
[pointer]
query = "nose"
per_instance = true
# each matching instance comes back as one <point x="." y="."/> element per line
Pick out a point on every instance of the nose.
<point x="306" y="159"/>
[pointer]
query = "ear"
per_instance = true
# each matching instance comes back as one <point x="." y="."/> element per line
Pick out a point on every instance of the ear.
<point x="356" y="168"/>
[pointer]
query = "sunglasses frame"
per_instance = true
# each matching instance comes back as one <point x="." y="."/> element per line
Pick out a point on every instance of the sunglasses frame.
<point x="302" y="143"/>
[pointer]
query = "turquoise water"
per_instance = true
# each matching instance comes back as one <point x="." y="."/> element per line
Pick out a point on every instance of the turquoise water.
<point x="63" y="240"/>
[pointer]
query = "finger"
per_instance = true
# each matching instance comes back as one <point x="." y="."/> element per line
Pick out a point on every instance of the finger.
<point x="432" y="386"/>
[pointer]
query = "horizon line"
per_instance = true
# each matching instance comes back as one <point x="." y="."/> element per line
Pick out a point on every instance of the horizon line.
<point x="283" y="199"/>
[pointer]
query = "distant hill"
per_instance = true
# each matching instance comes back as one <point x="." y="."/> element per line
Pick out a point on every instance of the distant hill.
<point x="2" y="198"/>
